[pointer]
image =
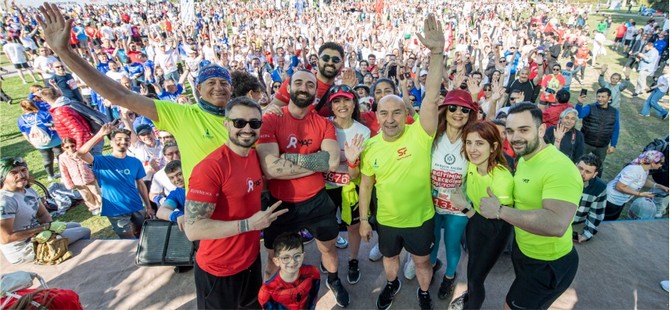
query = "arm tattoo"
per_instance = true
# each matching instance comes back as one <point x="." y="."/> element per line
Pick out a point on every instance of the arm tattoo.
<point x="317" y="162"/>
<point x="196" y="210"/>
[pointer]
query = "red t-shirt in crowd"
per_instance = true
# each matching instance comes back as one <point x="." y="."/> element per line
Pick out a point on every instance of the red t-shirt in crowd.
<point x="550" y="116"/>
<point x="620" y="31"/>
<point x="134" y="55"/>
<point x="369" y="119"/>
<point x="234" y="183"/>
<point x="301" y="136"/>
<point x="321" y="89"/>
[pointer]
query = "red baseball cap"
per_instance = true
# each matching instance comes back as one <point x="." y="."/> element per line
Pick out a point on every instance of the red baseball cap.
<point x="459" y="97"/>
<point x="341" y="93"/>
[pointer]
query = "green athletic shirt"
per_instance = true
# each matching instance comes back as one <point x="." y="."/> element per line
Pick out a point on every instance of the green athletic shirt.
<point x="549" y="174"/>
<point x="499" y="179"/>
<point x="197" y="132"/>
<point x="402" y="172"/>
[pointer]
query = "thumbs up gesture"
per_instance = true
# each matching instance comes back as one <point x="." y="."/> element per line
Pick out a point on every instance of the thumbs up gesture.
<point x="489" y="207"/>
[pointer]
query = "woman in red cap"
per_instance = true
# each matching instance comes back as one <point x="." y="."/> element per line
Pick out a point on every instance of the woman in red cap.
<point x="449" y="167"/>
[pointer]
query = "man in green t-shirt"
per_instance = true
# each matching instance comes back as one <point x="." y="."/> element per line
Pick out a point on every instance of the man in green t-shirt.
<point x="397" y="162"/>
<point x="547" y="190"/>
<point x="197" y="128"/>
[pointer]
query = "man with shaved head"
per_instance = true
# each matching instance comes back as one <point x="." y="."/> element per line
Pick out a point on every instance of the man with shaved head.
<point x="402" y="152"/>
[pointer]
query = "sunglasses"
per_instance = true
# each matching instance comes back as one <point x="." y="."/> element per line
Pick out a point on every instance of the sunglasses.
<point x="327" y="58"/>
<point x="12" y="162"/>
<point x="453" y="108"/>
<point x="487" y="89"/>
<point x="275" y="86"/>
<point x="240" y="123"/>
<point x="337" y="88"/>
<point x="556" y="69"/>
<point x="295" y="258"/>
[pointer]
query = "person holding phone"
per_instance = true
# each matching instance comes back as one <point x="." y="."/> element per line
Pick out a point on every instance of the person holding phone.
<point x="551" y="83"/>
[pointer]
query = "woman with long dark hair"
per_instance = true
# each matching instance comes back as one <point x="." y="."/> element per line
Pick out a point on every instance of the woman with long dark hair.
<point x="486" y="238"/>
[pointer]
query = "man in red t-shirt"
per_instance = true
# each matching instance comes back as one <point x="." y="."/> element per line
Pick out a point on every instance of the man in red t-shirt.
<point x="331" y="62"/>
<point x="295" y="148"/>
<point x="223" y="211"/>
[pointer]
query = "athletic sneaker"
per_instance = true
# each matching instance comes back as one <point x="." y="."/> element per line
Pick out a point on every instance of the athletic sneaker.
<point x="459" y="302"/>
<point x="665" y="285"/>
<point x="436" y="268"/>
<point x="446" y="290"/>
<point x="341" y="243"/>
<point x="375" y="255"/>
<point x="306" y="236"/>
<point x="385" y="299"/>
<point x="425" y="303"/>
<point x="341" y="294"/>
<point x="409" y="271"/>
<point x="354" y="273"/>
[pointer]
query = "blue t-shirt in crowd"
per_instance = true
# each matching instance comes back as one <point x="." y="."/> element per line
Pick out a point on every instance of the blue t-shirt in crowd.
<point x="135" y="68"/>
<point x="165" y="95"/>
<point x="117" y="178"/>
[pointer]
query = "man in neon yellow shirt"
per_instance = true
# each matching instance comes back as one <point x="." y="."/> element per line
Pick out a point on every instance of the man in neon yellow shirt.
<point x="547" y="190"/>
<point x="197" y="128"/>
<point x="397" y="163"/>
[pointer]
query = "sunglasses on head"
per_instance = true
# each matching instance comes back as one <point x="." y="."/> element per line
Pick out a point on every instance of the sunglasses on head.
<point x="240" y="123"/>
<point x="337" y="88"/>
<point x="453" y="108"/>
<point x="327" y="58"/>
<point x="12" y="162"/>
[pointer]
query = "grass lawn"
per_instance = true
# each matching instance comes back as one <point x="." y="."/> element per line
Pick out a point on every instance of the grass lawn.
<point x="635" y="132"/>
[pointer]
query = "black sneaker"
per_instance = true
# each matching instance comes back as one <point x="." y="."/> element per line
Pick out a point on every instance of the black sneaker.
<point x="446" y="288"/>
<point x="322" y="268"/>
<point x="459" y="302"/>
<point x="354" y="273"/>
<point x="341" y="294"/>
<point x="436" y="268"/>
<point x="385" y="299"/>
<point x="425" y="303"/>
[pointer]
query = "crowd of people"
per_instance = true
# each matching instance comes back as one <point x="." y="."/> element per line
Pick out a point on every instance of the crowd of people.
<point x="424" y="121"/>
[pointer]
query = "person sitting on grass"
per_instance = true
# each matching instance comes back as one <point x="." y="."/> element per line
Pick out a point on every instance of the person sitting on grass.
<point x="172" y="208"/>
<point x="24" y="216"/>
<point x="294" y="286"/>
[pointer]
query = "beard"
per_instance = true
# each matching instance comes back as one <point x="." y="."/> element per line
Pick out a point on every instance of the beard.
<point x="302" y="103"/>
<point x="531" y="146"/>
<point x="322" y="70"/>
<point x="243" y="142"/>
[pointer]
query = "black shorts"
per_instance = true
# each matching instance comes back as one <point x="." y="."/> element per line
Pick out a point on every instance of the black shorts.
<point x="239" y="291"/>
<point x="416" y="240"/>
<point x="617" y="40"/>
<point x="316" y="214"/>
<point x="539" y="283"/>
<point x="21" y="66"/>
<point x="626" y="42"/>
<point x="335" y="195"/>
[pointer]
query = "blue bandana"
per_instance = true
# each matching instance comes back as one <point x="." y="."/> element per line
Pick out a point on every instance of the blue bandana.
<point x="211" y="71"/>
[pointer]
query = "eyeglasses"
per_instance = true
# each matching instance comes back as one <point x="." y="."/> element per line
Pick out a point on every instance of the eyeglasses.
<point x="12" y="162"/>
<point x="327" y="58"/>
<point x="240" y="123"/>
<point x="295" y="258"/>
<point x="172" y="153"/>
<point x="453" y="108"/>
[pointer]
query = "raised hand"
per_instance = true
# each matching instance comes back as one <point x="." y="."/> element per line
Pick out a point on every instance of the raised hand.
<point x="473" y="87"/>
<point x="489" y="207"/>
<point x="434" y="36"/>
<point x="263" y="219"/>
<point x="353" y="150"/>
<point x="349" y="77"/>
<point x="559" y="132"/>
<point x="56" y="29"/>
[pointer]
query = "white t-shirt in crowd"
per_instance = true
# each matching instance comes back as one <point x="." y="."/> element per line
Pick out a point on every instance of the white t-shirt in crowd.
<point x="335" y="179"/>
<point x="632" y="176"/>
<point x="15" y="52"/>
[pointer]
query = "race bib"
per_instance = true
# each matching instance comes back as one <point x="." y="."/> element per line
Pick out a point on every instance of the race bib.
<point x="337" y="178"/>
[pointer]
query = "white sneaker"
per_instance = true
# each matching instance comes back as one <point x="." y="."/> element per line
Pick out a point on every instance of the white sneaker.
<point x="664" y="285"/>
<point x="375" y="255"/>
<point x="410" y="269"/>
<point x="341" y="243"/>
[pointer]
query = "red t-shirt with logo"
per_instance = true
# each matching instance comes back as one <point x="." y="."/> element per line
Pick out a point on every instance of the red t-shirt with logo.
<point x="321" y="89"/>
<point x="301" y="136"/>
<point x="234" y="183"/>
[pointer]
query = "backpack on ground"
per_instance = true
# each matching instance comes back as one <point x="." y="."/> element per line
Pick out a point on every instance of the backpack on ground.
<point x="37" y="136"/>
<point x="52" y="252"/>
<point x="659" y="144"/>
<point x="93" y="117"/>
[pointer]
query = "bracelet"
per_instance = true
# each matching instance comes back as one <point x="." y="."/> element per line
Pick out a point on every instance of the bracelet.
<point x="498" y="214"/>
<point x="354" y="165"/>
<point x="243" y="226"/>
<point x="365" y="219"/>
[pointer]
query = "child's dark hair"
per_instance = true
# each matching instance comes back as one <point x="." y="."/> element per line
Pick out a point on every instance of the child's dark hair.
<point x="287" y="241"/>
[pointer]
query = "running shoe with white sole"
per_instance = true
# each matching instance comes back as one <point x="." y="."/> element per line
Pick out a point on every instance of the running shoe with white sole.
<point x="375" y="255"/>
<point x="341" y="243"/>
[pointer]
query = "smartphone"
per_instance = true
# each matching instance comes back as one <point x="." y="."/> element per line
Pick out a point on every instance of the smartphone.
<point x="116" y="122"/>
<point x="583" y="92"/>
